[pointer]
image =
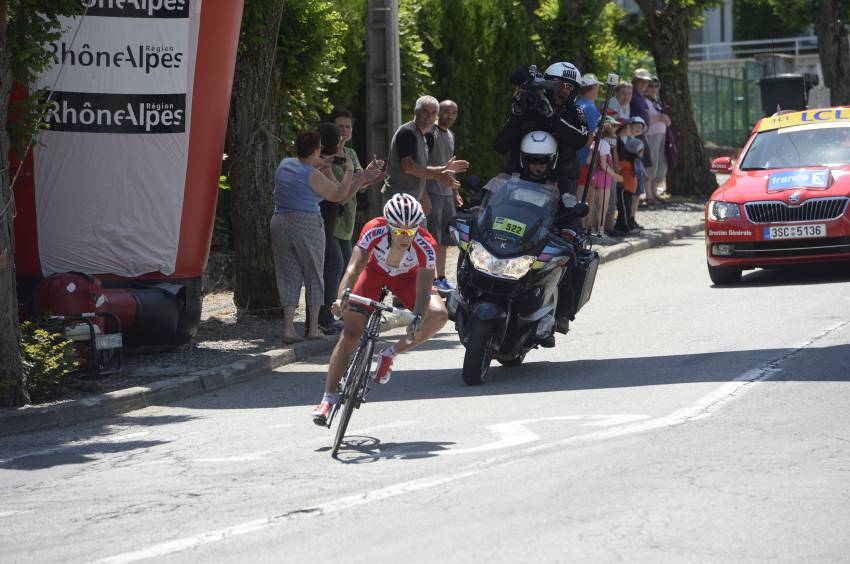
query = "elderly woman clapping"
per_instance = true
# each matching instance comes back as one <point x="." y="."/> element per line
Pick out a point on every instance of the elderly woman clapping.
<point x="297" y="230"/>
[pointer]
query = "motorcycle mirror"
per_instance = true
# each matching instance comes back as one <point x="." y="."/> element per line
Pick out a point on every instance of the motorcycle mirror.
<point x="454" y="234"/>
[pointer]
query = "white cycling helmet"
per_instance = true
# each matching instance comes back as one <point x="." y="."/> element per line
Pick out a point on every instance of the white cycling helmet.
<point x="538" y="144"/>
<point x="564" y="71"/>
<point x="402" y="210"/>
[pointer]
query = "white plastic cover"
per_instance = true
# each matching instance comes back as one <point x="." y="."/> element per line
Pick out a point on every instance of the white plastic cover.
<point x="110" y="171"/>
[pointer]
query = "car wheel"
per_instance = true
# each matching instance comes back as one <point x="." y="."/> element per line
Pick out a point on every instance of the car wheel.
<point x="722" y="275"/>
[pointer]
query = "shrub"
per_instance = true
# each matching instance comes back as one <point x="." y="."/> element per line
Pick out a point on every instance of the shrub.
<point x="48" y="358"/>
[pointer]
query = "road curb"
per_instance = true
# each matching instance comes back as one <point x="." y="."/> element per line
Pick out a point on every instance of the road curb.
<point x="39" y="418"/>
<point x="649" y="241"/>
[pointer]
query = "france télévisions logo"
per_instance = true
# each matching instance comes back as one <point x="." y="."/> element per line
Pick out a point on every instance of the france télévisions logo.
<point x="116" y="113"/>
<point x="137" y="8"/>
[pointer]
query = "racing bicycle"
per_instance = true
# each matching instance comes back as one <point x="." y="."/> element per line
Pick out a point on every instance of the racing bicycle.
<point x="354" y="384"/>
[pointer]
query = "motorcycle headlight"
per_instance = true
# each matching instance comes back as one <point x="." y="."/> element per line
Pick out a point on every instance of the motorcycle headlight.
<point x="721" y="211"/>
<point x="513" y="268"/>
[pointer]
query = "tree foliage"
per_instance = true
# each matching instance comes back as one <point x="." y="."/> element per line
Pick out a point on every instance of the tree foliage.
<point x="26" y="26"/>
<point x="766" y="19"/>
<point x="667" y="23"/>
<point x="830" y="21"/>
<point x="32" y="24"/>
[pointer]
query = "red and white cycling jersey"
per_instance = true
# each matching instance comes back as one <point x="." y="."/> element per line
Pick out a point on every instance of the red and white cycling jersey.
<point x="375" y="238"/>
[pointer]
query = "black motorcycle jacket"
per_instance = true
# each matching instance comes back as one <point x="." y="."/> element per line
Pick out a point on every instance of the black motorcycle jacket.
<point x="567" y="125"/>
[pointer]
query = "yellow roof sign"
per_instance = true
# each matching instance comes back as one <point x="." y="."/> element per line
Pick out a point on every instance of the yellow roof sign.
<point x="824" y="115"/>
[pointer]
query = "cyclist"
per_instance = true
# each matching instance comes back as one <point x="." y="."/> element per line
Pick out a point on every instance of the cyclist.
<point x="392" y="251"/>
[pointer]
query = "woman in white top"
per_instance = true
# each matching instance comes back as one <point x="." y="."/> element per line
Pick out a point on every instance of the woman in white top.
<point x="619" y="103"/>
<point x="656" y="134"/>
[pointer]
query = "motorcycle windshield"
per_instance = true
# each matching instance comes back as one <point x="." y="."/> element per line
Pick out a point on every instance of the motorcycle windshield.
<point x="518" y="216"/>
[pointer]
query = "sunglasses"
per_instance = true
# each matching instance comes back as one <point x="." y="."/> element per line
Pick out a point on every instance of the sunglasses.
<point x="401" y="232"/>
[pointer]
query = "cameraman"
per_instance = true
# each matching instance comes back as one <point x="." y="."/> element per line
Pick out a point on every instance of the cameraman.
<point x="547" y="105"/>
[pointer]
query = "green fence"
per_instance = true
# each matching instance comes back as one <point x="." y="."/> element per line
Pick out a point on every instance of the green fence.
<point x="725" y="101"/>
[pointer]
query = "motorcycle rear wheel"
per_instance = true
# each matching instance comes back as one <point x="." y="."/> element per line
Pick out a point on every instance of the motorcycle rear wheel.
<point x="479" y="351"/>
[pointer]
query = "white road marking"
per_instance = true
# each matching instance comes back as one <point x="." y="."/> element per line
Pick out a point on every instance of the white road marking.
<point x="10" y="513"/>
<point x="701" y="408"/>
<point x="263" y="454"/>
<point x="76" y="444"/>
<point x="515" y="433"/>
<point x="281" y="426"/>
<point x="249" y="457"/>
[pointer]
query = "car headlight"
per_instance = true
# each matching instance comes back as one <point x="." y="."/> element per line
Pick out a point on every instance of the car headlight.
<point x="721" y="211"/>
<point x="513" y="268"/>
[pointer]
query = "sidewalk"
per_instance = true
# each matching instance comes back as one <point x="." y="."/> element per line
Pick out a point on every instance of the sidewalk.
<point x="228" y="350"/>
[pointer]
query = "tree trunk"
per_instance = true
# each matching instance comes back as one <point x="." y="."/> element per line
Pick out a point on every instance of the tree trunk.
<point x="252" y="146"/>
<point x="12" y="384"/>
<point x="669" y="36"/>
<point x="834" y="50"/>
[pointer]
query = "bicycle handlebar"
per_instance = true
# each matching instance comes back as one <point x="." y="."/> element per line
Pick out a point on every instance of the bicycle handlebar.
<point x="349" y="297"/>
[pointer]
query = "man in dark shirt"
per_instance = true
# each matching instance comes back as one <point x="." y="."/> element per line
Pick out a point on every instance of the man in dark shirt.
<point x="407" y="163"/>
<point x="566" y="122"/>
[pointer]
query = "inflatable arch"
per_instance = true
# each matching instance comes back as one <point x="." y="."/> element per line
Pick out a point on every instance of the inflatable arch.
<point x="121" y="186"/>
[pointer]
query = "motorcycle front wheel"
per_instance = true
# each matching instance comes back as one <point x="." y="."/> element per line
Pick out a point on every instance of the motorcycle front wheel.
<point x="479" y="351"/>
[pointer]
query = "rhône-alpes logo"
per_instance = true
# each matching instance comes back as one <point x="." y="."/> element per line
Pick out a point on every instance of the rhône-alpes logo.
<point x="137" y="8"/>
<point x="116" y="113"/>
<point x="143" y="57"/>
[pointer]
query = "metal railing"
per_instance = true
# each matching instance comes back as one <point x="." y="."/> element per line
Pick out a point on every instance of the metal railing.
<point x="725" y="101"/>
<point x="734" y="49"/>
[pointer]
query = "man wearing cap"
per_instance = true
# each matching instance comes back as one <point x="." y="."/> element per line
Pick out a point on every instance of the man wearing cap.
<point x="639" y="106"/>
<point x="565" y="121"/>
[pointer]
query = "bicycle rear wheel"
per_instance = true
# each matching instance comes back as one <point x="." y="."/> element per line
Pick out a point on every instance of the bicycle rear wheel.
<point x="355" y="380"/>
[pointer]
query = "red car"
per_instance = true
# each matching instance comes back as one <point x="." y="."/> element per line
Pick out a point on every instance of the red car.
<point x="786" y="198"/>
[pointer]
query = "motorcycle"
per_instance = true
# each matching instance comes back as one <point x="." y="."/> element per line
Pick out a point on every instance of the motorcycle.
<point x="510" y="265"/>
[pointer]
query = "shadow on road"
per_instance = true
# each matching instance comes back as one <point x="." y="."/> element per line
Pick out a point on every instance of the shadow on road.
<point x="362" y="449"/>
<point x="792" y="275"/>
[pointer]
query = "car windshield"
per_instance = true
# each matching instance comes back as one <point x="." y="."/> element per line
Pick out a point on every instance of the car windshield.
<point x="799" y="146"/>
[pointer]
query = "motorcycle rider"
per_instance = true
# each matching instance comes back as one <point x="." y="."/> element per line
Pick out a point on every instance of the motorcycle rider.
<point x="557" y="114"/>
<point x="539" y="157"/>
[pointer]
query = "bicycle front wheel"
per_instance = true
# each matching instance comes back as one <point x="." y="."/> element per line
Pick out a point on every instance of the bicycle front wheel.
<point x="355" y="378"/>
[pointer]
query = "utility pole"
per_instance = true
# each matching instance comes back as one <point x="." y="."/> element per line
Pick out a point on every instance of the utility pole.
<point x="383" y="84"/>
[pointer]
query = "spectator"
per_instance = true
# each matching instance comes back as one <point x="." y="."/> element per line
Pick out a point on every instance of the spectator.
<point x="639" y="107"/>
<point x="636" y="130"/>
<point x="443" y="198"/>
<point x="656" y="135"/>
<point x="602" y="178"/>
<point x="619" y="105"/>
<point x="407" y="163"/>
<point x="297" y="232"/>
<point x="330" y="135"/>
<point x="630" y="150"/>
<point x="344" y="231"/>
<point x="586" y="100"/>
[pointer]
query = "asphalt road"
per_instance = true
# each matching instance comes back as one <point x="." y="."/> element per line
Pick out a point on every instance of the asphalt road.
<point x="677" y="422"/>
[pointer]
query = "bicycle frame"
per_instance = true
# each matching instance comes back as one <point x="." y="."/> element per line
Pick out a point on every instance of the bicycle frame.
<point x="353" y="386"/>
<point x="367" y="341"/>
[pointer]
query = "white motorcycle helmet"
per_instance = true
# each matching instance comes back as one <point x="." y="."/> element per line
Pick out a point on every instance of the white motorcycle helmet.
<point x="538" y="145"/>
<point x="564" y="71"/>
